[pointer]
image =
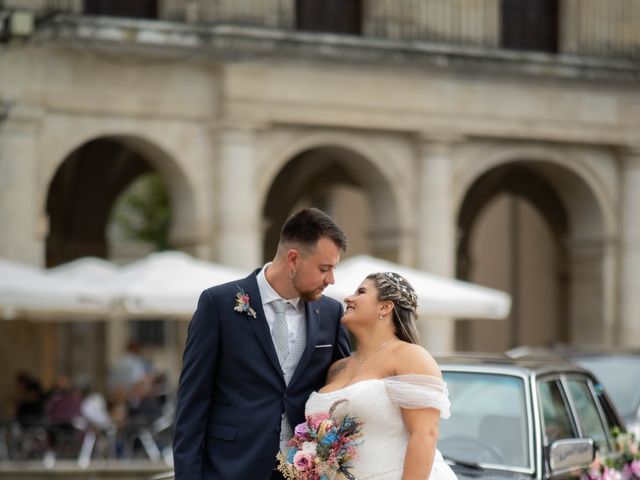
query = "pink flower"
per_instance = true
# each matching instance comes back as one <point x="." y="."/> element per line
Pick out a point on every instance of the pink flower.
<point x="611" y="474"/>
<point x="303" y="461"/>
<point x="635" y="468"/>
<point x="316" y="419"/>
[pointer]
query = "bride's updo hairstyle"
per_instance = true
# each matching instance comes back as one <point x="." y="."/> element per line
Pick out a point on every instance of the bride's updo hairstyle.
<point x="395" y="288"/>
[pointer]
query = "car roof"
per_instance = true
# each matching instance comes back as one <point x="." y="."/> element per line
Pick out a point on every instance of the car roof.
<point x="500" y="363"/>
<point x="570" y="351"/>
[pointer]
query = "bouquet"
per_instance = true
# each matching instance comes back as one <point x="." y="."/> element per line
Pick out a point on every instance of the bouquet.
<point x="322" y="447"/>
<point x="621" y="463"/>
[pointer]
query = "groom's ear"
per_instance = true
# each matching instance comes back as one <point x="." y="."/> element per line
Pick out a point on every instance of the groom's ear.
<point x="293" y="255"/>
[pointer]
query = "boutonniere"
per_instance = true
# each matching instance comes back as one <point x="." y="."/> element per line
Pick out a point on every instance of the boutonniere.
<point x="242" y="304"/>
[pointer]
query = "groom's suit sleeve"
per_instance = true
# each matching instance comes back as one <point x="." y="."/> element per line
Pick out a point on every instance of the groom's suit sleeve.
<point x="342" y="341"/>
<point x="195" y="390"/>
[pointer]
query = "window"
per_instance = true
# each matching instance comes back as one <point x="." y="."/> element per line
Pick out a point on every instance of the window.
<point x="489" y="424"/>
<point x="530" y="25"/>
<point x="587" y="411"/>
<point x="122" y="8"/>
<point x="336" y="16"/>
<point x="555" y="414"/>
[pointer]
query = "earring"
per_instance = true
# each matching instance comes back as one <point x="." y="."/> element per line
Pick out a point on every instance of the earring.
<point x="292" y="274"/>
<point x="380" y="316"/>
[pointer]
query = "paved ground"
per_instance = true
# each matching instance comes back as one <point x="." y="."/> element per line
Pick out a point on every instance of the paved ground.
<point x="99" y="470"/>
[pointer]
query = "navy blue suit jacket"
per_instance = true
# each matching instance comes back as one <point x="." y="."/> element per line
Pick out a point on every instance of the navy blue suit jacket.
<point x="232" y="391"/>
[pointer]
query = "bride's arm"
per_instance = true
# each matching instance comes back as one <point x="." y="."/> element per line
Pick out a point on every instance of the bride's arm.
<point x="421" y="423"/>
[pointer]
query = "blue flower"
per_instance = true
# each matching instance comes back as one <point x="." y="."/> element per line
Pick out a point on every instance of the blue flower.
<point x="329" y="438"/>
<point x="291" y="454"/>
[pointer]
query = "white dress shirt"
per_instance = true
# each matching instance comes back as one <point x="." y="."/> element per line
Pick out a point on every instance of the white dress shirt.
<point x="294" y="313"/>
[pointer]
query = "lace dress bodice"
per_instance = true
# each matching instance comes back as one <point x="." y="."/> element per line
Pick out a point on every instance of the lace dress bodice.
<point x="377" y="403"/>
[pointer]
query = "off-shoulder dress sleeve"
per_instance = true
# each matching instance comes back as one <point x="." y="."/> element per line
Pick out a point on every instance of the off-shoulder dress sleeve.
<point x="419" y="391"/>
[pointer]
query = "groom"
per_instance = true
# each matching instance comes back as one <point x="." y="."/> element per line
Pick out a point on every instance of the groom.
<point x="256" y="349"/>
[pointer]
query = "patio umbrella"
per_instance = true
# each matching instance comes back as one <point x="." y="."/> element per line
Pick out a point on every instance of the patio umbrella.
<point x="167" y="284"/>
<point x="28" y="292"/>
<point x="86" y="271"/>
<point x="437" y="296"/>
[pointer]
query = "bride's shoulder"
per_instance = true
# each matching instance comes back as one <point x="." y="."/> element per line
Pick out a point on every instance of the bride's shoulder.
<point x="410" y="358"/>
<point x="336" y="368"/>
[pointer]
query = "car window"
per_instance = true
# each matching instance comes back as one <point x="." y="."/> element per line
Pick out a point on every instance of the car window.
<point x="610" y="415"/>
<point x="488" y="423"/>
<point x="587" y="412"/>
<point x="614" y="372"/>
<point x="556" y="418"/>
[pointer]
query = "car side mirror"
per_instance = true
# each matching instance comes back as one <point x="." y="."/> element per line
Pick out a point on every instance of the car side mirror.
<point x="569" y="454"/>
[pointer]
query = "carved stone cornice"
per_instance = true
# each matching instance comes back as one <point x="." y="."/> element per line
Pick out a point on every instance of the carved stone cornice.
<point x="438" y="143"/>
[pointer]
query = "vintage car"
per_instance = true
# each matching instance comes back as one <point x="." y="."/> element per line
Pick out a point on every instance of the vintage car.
<point x="522" y="418"/>
<point x="617" y="368"/>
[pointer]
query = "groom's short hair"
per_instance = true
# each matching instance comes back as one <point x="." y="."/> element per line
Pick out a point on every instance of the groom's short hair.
<point x="309" y="225"/>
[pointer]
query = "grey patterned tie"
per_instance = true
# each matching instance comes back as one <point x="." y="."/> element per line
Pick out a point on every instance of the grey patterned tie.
<point x="280" y="331"/>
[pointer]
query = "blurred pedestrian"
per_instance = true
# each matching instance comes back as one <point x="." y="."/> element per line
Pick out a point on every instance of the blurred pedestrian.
<point x="29" y="400"/>
<point x="130" y="369"/>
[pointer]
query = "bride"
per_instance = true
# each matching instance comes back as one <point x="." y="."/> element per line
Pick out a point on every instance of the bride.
<point x="391" y="384"/>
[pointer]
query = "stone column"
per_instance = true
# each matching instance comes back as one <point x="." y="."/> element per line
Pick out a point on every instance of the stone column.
<point x="630" y="249"/>
<point x="588" y="270"/>
<point x="239" y="235"/>
<point x="22" y="208"/>
<point x="435" y="227"/>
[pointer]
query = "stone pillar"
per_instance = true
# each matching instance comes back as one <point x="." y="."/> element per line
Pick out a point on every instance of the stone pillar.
<point x="22" y="208"/>
<point x="610" y="306"/>
<point x="116" y="338"/>
<point x="586" y="295"/>
<point x="435" y="227"/>
<point x="239" y="236"/>
<point x="630" y="249"/>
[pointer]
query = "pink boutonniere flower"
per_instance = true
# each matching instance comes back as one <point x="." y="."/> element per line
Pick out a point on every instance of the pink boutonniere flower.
<point x="242" y="304"/>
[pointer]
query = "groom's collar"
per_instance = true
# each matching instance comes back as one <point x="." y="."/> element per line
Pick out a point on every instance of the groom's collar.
<point x="268" y="294"/>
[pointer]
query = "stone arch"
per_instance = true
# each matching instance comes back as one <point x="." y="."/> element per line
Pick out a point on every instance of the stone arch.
<point x="140" y="154"/>
<point x="343" y="158"/>
<point x="473" y="168"/>
<point x="571" y="198"/>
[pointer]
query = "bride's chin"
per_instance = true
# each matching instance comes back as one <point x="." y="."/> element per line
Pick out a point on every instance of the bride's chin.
<point x="348" y="318"/>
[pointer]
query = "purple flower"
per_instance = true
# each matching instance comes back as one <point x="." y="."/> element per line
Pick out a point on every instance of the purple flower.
<point x="302" y="430"/>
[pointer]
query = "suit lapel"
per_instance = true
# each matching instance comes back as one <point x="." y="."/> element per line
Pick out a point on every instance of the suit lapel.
<point x="312" y="319"/>
<point x="259" y="324"/>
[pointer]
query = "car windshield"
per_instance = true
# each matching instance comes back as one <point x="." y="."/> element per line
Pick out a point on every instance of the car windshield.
<point x="488" y="423"/>
<point x="616" y="374"/>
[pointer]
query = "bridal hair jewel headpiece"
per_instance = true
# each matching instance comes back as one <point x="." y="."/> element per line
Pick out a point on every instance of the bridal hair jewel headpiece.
<point x="403" y="286"/>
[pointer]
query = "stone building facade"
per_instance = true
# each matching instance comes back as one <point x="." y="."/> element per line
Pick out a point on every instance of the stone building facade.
<point x="438" y="140"/>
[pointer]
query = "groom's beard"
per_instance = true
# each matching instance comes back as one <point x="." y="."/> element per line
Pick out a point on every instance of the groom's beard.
<point x="307" y="295"/>
<point x="310" y="296"/>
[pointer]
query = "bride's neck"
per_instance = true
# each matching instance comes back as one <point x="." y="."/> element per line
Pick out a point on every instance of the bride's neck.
<point x="368" y="341"/>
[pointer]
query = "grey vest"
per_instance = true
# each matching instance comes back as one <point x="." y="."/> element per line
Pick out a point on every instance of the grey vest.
<point x="288" y="368"/>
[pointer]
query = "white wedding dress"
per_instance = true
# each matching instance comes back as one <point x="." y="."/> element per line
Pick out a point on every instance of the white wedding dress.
<point x="376" y="403"/>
